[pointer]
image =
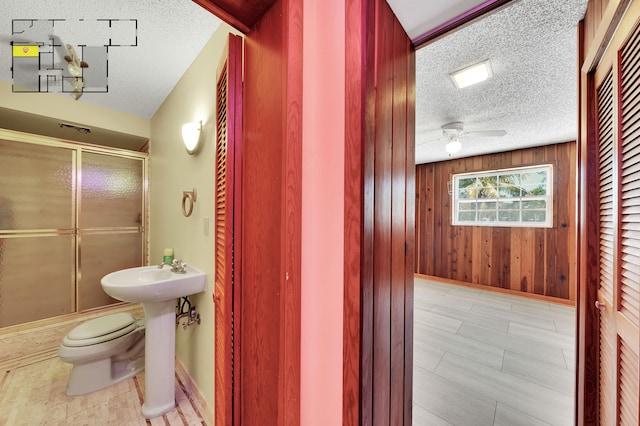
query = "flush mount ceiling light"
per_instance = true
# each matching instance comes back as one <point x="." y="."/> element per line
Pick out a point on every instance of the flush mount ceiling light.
<point x="472" y="75"/>
<point x="191" y="136"/>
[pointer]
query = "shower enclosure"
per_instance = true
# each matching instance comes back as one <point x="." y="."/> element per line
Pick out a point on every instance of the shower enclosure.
<point x="69" y="214"/>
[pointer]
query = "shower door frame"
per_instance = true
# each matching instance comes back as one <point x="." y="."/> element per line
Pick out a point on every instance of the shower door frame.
<point x="78" y="148"/>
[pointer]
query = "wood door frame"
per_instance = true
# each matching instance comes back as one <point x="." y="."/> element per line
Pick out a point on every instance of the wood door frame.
<point x="587" y="319"/>
<point x="232" y="66"/>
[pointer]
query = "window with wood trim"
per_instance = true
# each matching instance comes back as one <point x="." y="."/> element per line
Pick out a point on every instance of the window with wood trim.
<point x="520" y="197"/>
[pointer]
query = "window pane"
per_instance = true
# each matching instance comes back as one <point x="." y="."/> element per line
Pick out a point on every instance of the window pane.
<point x="466" y="183"/>
<point x="509" y="205"/>
<point x="487" y="216"/>
<point x="509" y="191"/>
<point x="533" y="204"/>
<point x="467" y="216"/>
<point x="509" y="216"/>
<point x="467" y="206"/>
<point x="534" y="183"/>
<point x="533" y="216"/>
<point x="487" y="205"/>
<point x="487" y="193"/>
<point x="508" y="197"/>
<point x="510" y="180"/>
<point x="467" y="193"/>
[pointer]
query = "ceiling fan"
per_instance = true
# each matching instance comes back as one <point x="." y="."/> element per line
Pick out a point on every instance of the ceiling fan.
<point x="454" y="131"/>
<point x="74" y="66"/>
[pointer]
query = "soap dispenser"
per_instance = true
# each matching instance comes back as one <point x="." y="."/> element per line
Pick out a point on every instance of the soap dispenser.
<point x="168" y="256"/>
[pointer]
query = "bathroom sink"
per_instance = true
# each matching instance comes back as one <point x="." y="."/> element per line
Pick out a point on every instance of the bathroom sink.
<point x="151" y="284"/>
<point x="157" y="290"/>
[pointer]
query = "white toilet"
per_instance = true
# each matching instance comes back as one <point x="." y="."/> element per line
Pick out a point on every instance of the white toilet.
<point x="103" y="351"/>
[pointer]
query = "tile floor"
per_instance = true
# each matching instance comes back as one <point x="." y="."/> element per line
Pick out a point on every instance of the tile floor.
<point x="486" y="358"/>
<point x="33" y="385"/>
<point x="480" y="358"/>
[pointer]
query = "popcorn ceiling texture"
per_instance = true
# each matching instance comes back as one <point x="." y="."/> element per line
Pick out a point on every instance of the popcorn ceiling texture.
<point x="531" y="45"/>
<point x="171" y="33"/>
<point x="532" y="94"/>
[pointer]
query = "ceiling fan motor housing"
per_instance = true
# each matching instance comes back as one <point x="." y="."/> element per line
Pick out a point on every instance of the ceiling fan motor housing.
<point x="453" y="129"/>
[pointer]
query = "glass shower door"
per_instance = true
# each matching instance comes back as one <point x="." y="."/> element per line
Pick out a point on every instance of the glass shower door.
<point x="111" y="223"/>
<point x="37" y="232"/>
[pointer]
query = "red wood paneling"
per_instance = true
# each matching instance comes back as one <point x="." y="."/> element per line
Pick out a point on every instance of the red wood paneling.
<point x="531" y="260"/>
<point x="358" y="216"/>
<point x="270" y="316"/>
<point x="379" y="176"/>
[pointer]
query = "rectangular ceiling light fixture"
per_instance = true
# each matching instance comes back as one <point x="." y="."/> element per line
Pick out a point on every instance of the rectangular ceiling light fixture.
<point x="472" y="75"/>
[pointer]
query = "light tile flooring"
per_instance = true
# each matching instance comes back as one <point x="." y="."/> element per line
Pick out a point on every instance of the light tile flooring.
<point x="486" y="358"/>
<point x="33" y="386"/>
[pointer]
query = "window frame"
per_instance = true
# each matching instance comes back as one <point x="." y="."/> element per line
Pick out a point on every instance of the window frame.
<point x="548" y="198"/>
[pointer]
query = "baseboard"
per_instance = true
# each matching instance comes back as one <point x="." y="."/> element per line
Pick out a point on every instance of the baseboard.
<point x="194" y="394"/>
<point x="524" y="295"/>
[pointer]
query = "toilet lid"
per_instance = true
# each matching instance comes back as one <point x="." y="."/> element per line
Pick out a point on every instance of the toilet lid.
<point x="101" y="329"/>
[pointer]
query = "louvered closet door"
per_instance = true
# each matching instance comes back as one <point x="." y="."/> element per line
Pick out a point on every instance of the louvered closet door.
<point x="228" y="137"/>
<point x="607" y="229"/>
<point x="618" y="99"/>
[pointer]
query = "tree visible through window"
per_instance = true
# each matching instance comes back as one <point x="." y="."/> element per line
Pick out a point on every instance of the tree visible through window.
<point x="510" y="197"/>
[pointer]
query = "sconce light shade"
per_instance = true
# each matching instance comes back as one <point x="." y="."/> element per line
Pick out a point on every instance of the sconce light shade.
<point x="453" y="146"/>
<point x="191" y="136"/>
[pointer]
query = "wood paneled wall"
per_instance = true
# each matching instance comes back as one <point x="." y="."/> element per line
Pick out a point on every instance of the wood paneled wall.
<point x="539" y="261"/>
<point x="592" y="17"/>
<point x="269" y="344"/>
<point x="379" y="212"/>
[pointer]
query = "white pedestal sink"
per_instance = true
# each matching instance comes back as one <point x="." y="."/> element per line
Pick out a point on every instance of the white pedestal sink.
<point x="157" y="290"/>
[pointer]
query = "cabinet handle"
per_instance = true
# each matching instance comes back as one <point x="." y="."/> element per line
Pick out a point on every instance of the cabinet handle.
<point x="600" y="305"/>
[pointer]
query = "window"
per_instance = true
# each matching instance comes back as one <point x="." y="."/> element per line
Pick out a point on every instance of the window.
<point x="510" y="197"/>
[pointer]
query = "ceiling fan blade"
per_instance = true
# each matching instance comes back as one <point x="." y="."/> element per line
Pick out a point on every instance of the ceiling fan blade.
<point x="429" y="141"/>
<point x="485" y="133"/>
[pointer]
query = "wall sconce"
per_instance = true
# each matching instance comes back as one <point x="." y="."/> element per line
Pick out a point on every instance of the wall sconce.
<point x="191" y="136"/>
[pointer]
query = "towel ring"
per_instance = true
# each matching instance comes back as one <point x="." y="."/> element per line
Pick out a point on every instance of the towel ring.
<point x="191" y="196"/>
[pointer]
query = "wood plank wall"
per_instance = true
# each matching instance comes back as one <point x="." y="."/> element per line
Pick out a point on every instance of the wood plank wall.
<point x="592" y="18"/>
<point x="539" y="261"/>
<point x="271" y="229"/>
<point x="379" y="212"/>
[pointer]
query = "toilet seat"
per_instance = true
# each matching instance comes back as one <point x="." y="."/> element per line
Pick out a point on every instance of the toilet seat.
<point x="101" y="330"/>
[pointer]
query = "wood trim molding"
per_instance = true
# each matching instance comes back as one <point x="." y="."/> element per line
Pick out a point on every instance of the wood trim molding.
<point x="291" y="299"/>
<point x="193" y="393"/>
<point x="459" y="21"/>
<point x="610" y="19"/>
<point x="530" y="296"/>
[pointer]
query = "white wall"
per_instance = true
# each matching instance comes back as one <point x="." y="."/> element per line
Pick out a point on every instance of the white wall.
<point x="173" y="171"/>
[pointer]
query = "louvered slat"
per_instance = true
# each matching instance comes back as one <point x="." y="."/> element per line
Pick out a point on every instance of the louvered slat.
<point x="629" y="288"/>
<point x="605" y="149"/>
<point x="606" y="375"/>
<point x="628" y="385"/>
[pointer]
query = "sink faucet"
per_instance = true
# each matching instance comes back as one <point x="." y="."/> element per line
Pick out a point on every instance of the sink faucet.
<point x="176" y="266"/>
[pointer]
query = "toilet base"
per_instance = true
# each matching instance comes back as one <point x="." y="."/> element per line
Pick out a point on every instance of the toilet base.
<point x="96" y="375"/>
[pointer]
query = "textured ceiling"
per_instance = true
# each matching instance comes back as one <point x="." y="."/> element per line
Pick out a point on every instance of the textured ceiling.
<point x="531" y="45"/>
<point x="533" y="92"/>
<point x="420" y="16"/>
<point x="170" y="34"/>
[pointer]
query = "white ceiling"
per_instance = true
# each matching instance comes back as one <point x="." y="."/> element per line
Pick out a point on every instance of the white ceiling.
<point x="531" y="45"/>
<point x="533" y="92"/>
